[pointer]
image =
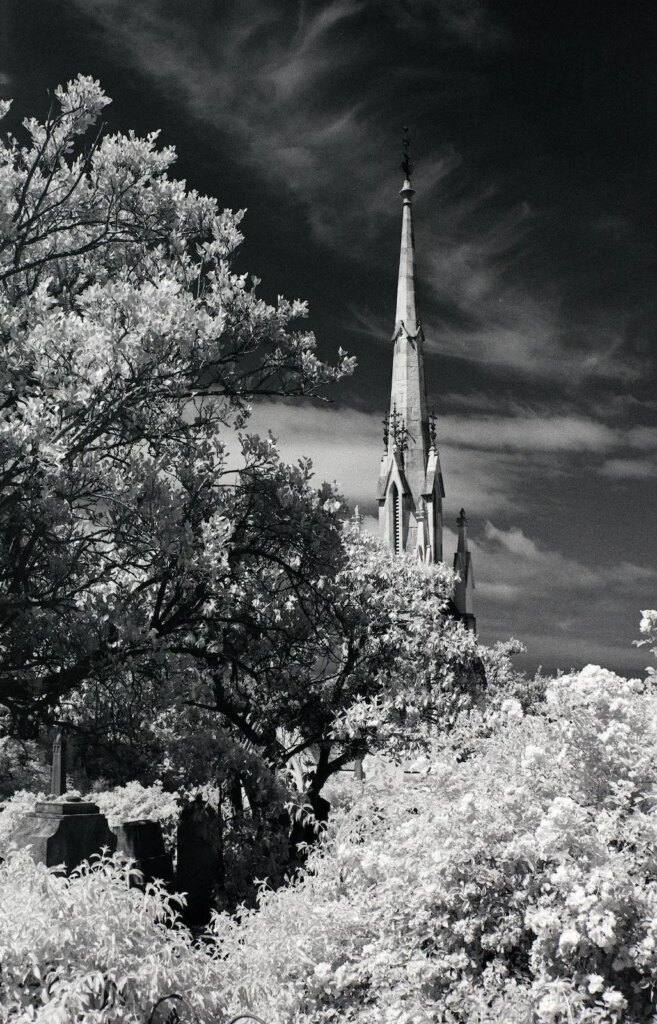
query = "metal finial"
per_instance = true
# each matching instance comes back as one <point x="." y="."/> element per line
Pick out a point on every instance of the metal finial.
<point x="406" y="165"/>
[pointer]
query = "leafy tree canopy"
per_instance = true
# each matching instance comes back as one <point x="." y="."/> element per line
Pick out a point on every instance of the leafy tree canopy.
<point x="168" y="587"/>
<point x="128" y="347"/>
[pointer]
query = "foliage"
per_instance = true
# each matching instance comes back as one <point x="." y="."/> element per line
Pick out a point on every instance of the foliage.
<point x="22" y="763"/>
<point x="129" y="347"/>
<point x="407" y="667"/>
<point x="134" y="801"/>
<point x="357" y="658"/>
<point x="91" y="948"/>
<point x="186" y="604"/>
<point x="504" y="681"/>
<point x="648" y="629"/>
<point x="517" y="885"/>
<point x="13" y="812"/>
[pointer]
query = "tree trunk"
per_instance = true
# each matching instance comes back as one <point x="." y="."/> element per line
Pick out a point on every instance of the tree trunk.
<point x="305" y="834"/>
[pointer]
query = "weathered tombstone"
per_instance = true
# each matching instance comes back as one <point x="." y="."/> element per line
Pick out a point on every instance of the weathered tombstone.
<point x="65" y="832"/>
<point x="200" y="868"/>
<point x="143" y="842"/>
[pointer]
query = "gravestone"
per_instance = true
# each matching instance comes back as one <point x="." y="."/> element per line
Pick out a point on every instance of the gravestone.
<point x="200" y="868"/>
<point x="142" y="841"/>
<point x="64" y="831"/>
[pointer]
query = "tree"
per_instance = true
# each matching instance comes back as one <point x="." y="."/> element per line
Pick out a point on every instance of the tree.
<point x="330" y="666"/>
<point x="130" y="349"/>
<point x="168" y="588"/>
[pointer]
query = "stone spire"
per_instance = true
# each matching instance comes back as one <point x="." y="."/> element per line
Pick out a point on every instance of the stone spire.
<point x="406" y="315"/>
<point x="410" y="480"/>
<point x="463" y="597"/>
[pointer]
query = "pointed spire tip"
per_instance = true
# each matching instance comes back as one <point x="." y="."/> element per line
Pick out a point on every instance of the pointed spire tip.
<point x="406" y="165"/>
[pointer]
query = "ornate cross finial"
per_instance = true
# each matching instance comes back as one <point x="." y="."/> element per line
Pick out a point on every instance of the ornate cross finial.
<point x="432" y="426"/>
<point x="406" y="165"/>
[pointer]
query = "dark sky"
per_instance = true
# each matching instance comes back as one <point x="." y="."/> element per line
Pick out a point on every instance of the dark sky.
<point x="534" y="131"/>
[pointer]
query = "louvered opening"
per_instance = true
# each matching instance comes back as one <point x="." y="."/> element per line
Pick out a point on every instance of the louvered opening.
<point x="395" y="499"/>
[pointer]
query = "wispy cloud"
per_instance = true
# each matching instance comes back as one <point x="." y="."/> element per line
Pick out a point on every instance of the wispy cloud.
<point x="304" y="94"/>
<point x="566" y="611"/>
<point x="529" y="433"/>
<point x="345" y="446"/>
<point x="490" y="463"/>
<point x="630" y="469"/>
<point x="524" y="586"/>
<point x="277" y="82"/>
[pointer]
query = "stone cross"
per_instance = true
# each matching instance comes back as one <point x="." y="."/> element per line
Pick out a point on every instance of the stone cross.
<point x="58" y="778"/>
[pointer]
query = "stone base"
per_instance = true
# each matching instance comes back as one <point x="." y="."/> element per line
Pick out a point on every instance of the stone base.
<point x="65" y="832"/>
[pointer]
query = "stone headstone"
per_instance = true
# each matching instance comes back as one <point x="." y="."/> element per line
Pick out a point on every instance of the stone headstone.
<point x="65" y="832"/>
<point x="200" y="868"/>
<point x="142" y="841"/>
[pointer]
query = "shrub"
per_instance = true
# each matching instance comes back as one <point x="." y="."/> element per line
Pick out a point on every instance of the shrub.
<point x="90" y="948"/>
<point x="134" y="801"/>
<point x="519" y="885"/>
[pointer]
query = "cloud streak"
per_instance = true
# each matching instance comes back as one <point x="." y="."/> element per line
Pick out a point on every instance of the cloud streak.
<point x="549" y="601"/>
<point x="524" y="587"/>
<point x="536" y="277"/>
<point x="276" y="84"/>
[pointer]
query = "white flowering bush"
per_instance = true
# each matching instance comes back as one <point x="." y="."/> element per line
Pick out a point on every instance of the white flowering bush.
<point x="648" y="629"/>
<point x="12" y="814"/>
<point x="519" y="885"/>
<point x="130" y="352"/>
